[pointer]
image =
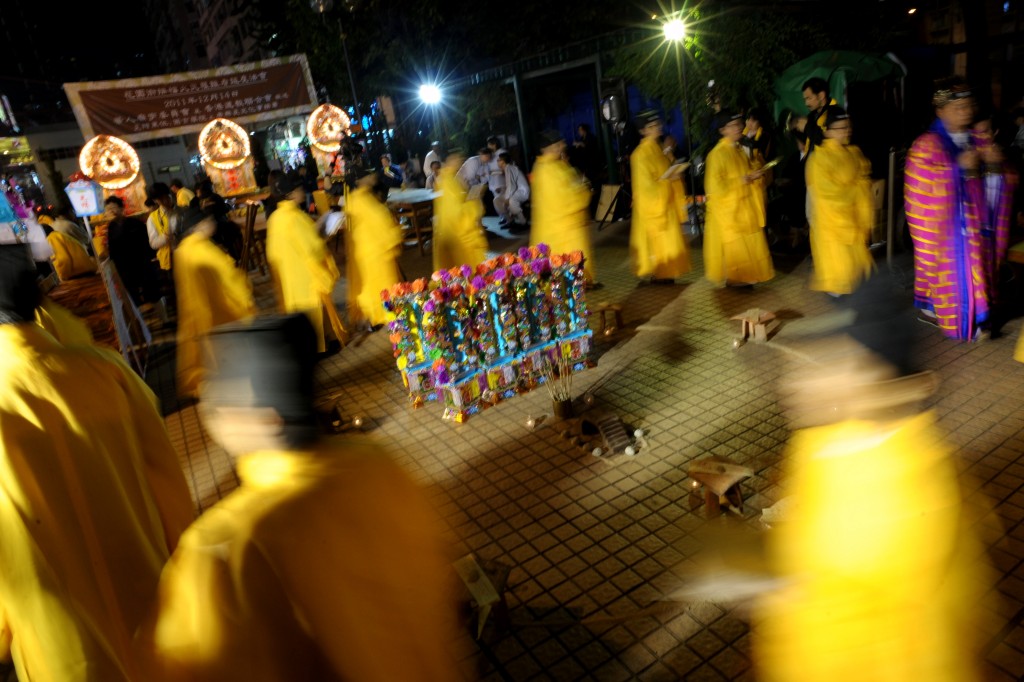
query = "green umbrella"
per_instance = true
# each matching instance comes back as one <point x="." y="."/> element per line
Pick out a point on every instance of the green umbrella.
<point x="839" y="68"/>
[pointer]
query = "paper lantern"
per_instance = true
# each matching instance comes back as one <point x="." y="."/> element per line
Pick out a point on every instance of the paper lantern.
<point x="326" y="127"/>
<point x="224" y="144"/>
<point x="110" y="161"/>
<point x="86" y="197"/>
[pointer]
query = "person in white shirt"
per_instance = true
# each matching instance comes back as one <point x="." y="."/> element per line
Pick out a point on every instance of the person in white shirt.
<point x="517" y="190"/>
<point x="433" y="155"/>
<point x="476" y="170"/>
<point x="435" y="168"/>
<point x="496" y="178"/>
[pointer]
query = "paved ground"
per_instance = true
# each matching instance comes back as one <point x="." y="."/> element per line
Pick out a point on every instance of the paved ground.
<point x="595" y="545"/>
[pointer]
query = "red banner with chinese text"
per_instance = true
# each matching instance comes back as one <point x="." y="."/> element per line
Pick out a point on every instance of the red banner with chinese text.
<point x="161" y="106"/>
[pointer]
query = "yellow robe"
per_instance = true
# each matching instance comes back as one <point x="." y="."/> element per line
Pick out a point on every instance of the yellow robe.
<point x="323" y="565"/>
<point x="302" y="268"/>
<point x="184" y="197"/>
<point x="375" y="241"/>
<point x="458" y="236"/>
<point x="883" y="574"/>
<point x="656" y="245"/>
<point x="735" y="248"/>
<point x="560" y="203"/>
<point x="162" y="222"/>
<point x="70" y="259"/>
<point x="210" y="291"/>
<point x="841" y="209"/>
<point x="92" y="501"/>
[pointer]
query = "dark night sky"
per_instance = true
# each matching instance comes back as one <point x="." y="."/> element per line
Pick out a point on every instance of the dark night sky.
<point x="43" y="46"/>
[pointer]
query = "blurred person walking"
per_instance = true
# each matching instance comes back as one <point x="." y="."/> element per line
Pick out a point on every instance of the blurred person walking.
<point x="325" y="564"/>
<point x="92" y="498"/>
<point x="735" y="247"/>
<point x="458" y="232"/>
<point x="838" y="177"/>
<point x="303" y="271"/>
<point x="656" y="245"/>
<point x="560" y="201"/>
<point x="211" y="291"/>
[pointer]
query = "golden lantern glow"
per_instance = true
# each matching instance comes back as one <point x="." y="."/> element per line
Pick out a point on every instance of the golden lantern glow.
<point x="224" y="144"/>
<point x="110" y="161"/>
<point x="327" y="127"/>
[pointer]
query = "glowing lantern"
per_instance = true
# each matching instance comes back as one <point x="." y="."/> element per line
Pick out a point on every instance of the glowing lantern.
<point x="327" y="126"/>
<point x="224" y="144"/>
<point x="110" y="161"/>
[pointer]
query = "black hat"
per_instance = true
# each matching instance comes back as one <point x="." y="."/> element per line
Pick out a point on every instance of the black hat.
<point x="266" y="362"/>
<point x="157" y="190"/>
<point x="835" y="113"/>
<point x="286" y="184"/>
<point x="726" y="117"/>
<point x="19" y="292"/>
<point x="646" y="117"/>
<point x="548" y="137"/>
<point x="192" y="216"/>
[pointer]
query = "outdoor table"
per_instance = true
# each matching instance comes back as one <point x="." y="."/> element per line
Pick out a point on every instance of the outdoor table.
<point x="418" y="206"/>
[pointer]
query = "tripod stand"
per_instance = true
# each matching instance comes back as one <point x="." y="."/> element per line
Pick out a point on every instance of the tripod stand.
<point x="622" y="202"/>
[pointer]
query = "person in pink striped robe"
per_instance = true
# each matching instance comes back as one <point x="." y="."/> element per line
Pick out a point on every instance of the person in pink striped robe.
<point x="944" y="196"/>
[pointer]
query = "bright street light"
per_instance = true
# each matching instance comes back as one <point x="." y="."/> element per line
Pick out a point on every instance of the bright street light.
<point x="675" y="30"/>
<point x="430" y="94"/>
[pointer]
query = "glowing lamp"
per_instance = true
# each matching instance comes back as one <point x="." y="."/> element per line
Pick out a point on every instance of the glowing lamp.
<point x="110" y="161"/>
<point x="224" y="144"/>
<point x="430" y="94"/>
<point x="675" y="30"/>
<point x="326" y="127"/>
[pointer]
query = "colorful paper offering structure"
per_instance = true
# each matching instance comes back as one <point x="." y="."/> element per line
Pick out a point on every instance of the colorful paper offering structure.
<point x="473" y="336"/>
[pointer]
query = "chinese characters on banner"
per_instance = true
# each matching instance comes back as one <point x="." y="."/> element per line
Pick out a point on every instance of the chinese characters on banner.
<point x="160" y="106"/>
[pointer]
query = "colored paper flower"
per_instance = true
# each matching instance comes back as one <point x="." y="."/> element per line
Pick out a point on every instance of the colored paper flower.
<point x="466" y="271"/>
<point x="524" y="252"/>
<point x="517" y="270"/>
<point x="544" y="249"/>
<point x="500" y="274"/>
<point x="420" y="285"/>
<point x="479" y="282"/>
<point x="429" y="306"/>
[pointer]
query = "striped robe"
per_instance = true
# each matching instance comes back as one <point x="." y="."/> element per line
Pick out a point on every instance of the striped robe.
<point x="944" y="211"/>
<point x="995" y="231"/>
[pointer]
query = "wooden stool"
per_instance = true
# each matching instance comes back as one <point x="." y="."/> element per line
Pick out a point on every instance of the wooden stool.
<point x="604" y="309"/>
<point x="485" y="582"/>
<point x="721" y="478"/>
<point x="754" y="323"/>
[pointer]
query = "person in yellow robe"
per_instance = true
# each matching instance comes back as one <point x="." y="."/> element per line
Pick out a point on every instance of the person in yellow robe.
<point x="70" y="259"/>
<point x="183" y="196"/>
<point x="880" y="575"/>
<point x="325" y="564"/>
<point x="656" y="245"/>
<point x="560" y="199"/>
<point x="735" y="248"/>
<point x="458" y="233"/>
<point x="162" y="225"/>
<point x="92" y="498"/>
<point x="210" y="290"/>
<point x="841" y="209"/>
<point x="374" y="242"/>
<point x="304" y="271"/>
